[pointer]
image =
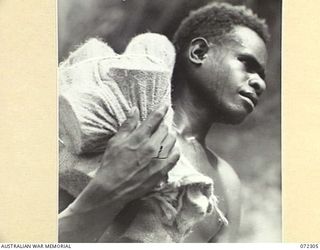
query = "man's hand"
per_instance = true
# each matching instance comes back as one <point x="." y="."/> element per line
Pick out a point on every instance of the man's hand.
<point x="130" y="167"/>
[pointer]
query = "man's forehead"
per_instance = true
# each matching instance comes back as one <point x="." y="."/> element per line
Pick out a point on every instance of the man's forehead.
<point x="249" y="42"/>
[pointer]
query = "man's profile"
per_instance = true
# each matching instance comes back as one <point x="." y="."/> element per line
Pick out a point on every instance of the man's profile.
<point x="219" y="76"/>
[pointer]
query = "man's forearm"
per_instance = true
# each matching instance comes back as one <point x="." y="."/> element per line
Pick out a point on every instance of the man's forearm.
<point x="86" y="226"/>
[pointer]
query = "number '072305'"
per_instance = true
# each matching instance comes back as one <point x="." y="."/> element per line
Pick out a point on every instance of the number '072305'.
<point x="309" y="245"/>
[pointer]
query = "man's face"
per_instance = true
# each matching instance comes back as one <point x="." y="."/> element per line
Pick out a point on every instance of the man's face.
<point x="232" y="76"/>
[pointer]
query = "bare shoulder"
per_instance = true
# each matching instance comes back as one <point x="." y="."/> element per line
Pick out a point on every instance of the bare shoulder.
<point x="230" y="183"/>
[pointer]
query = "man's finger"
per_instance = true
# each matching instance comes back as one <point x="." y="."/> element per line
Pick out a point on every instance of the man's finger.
<point x="131" y="123"/>
<point x="153" y="121"/>
<point x="171" y="161"/>
<point x="167" y="145"/>
<point x="164" y="165"/>
<point x="147" y="178"/>
<point x="158" y="137"/>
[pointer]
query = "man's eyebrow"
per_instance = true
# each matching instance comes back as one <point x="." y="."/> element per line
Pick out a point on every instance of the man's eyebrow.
<point x="254" y="63"/>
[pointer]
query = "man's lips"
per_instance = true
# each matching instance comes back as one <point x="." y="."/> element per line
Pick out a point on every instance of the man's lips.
<point x="250" y="97"/>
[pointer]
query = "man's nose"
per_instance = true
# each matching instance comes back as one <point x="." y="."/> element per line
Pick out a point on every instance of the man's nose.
<point x="257" y="83"/>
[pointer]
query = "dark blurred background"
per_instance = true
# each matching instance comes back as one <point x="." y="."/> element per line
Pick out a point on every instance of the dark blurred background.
<point x="252" y="148"/>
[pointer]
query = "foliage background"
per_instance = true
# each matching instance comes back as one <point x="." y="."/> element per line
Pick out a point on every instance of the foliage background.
<point x="252" y="148"/>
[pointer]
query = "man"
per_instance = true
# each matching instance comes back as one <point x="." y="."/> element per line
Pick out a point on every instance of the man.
<point x="218" y="77"/>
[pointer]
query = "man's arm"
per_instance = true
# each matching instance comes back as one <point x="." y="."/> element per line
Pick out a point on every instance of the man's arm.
<point x="128" y="171"/>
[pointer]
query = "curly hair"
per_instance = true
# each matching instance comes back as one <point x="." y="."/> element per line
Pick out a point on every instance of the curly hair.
<point x="216" y="20"/>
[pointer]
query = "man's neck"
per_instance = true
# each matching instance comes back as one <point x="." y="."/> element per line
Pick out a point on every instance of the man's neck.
<point x="191" y="118"/>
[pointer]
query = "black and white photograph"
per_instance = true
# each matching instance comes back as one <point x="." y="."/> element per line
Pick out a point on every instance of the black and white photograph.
<point x="169" y="121"/>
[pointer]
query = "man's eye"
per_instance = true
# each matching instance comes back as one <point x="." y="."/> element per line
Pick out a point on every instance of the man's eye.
<point x="246" y="63"/>
<point x="252" y="66"/>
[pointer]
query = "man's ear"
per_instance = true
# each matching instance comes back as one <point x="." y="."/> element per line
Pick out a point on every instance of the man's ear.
<point x="198" y="50"/>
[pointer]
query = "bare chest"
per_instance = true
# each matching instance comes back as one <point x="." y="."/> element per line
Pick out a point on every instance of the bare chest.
<point x="206" y="164"/>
